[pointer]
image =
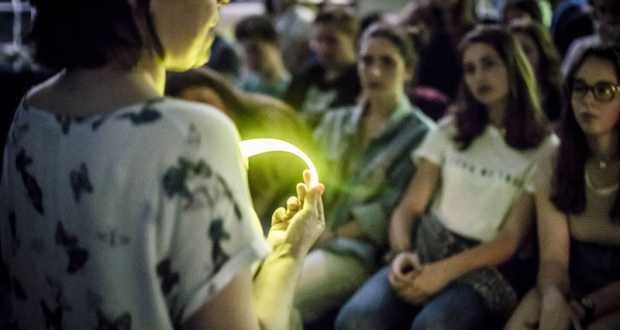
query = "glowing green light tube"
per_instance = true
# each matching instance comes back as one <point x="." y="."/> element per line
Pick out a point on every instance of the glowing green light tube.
<point x="253" y="147"/>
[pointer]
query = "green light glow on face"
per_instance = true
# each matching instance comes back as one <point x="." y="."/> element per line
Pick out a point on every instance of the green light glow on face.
<point x="253" y="147"/>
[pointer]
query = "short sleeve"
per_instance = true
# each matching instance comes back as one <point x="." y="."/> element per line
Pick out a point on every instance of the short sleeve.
<point x="436" y="143"/>
<point x="216" y="232"/>
<point x="544" y="170"/>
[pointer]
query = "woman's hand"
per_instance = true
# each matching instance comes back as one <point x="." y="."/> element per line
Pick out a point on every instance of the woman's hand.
<point x="296" y="229"/>
<point x="404" y="269"/>
<point x="557" y="314"/>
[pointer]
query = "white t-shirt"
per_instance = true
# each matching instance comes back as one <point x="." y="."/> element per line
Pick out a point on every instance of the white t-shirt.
<point x="130" y="219"/>
<point x="480" y="184"/>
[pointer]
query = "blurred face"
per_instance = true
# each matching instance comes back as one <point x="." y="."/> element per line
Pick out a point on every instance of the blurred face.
<point x="485" y="73"/>
<point x="530" y="49"/>
<point x="332" y="46"/>
<point x="382" y="69"/>
<point x="596" y="117"/>
<point x="255" y="53"/>
<point x="185" y="29"/>
<point x="608" y="12"/>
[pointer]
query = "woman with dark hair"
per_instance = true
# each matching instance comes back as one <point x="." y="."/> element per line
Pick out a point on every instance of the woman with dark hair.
<point x="367" y="149"/>
<point x="469" y="202"/>
<point x="439" y="65"/>
<point x="536" y="42"/>
<point x="578" y="207"/>
<point x="124" y="209"/>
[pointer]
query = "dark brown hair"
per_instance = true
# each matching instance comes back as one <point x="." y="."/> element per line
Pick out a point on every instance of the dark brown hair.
<point x="549" y="76"/>
<point x="523" y="119"/>
<point x="89" y="34"/>
<point x="344" y="19"/>
<point x="568" y="192"/>
<point x="398" y="37"/>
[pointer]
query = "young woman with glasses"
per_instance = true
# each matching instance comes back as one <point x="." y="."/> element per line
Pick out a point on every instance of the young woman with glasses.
<point x="578" y="207"/>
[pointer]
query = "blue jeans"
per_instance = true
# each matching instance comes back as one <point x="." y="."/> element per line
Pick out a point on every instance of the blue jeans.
<point x="376" y="307"/>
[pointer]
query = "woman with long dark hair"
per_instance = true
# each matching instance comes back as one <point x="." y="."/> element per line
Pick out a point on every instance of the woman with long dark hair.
<point x="469" y="202"/>
<point x="578" y="207"/>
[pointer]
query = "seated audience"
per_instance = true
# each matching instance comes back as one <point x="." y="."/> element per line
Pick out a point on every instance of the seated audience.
<point x="332" y="81"/>
<point x="469" y="203"/>
<point x="607" y="13"/>
<point x="578" y="207"/>
<point x="367" y="149"/>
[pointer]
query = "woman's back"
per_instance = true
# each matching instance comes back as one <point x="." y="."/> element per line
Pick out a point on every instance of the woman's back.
<point x="124" y="217"/>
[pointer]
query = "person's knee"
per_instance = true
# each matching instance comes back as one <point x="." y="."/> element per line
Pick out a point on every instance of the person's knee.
<point x="462" y="312"/>
<point x="356" y="316"/>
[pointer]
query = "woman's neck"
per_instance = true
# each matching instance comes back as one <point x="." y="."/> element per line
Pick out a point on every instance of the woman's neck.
<point x="497" y="113"/>
<point x="85" y="92"/>
<point x="384" y="107"/>
<point x="604" y="147"/>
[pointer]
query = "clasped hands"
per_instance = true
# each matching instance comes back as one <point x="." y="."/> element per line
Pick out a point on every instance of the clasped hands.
<point x="413" y="282"/>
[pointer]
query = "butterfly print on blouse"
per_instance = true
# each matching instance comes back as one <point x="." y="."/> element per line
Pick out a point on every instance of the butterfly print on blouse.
<point x="217" y="234"/>
<point x="22" y="161"/>
<point x="112" y="238"/>
<point x="123" y="322"/>
<point x="15" y="241"/>
<point x="77" y="256"/>
<point x="147" y="115"/>
<point x="168" y="278"/>
<point x="53" y="319"/>
<point x="80" y="182"/>
<point x="230" y="196"/>
<point x="97" y="122"/>
<point x="176" y="179"/>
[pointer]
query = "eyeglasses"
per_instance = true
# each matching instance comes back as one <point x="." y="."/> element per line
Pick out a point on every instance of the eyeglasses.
<point x="602" y="91"/>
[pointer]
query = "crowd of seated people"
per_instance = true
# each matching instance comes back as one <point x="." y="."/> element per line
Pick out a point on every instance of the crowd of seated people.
<point x="469" y="168"/>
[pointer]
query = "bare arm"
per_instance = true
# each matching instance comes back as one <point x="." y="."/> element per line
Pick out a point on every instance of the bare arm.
<point x="553" y="279"/>
<point x="500" y="248"/>
<point x="267" y="301"/>
<point x="413" y="204"/>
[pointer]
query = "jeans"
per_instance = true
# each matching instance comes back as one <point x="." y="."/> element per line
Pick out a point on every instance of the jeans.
<point x="375" y="306"/>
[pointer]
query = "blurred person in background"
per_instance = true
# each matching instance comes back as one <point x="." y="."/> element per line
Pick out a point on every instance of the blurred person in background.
<point x="293" y="22"/>
<point x="536" y="42"/>
<point x="607" y="14"/>
<point x="331" y="81"/>
<point x="367" y="149"/>
<point x="263" y="70"/>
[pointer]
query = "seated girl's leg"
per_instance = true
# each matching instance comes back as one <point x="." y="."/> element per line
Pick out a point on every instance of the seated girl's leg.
<point x="375" y="307"/>
<point x="327" y="281"/>
<point x="527" y="314"/>
<point x="458" y="307"/>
